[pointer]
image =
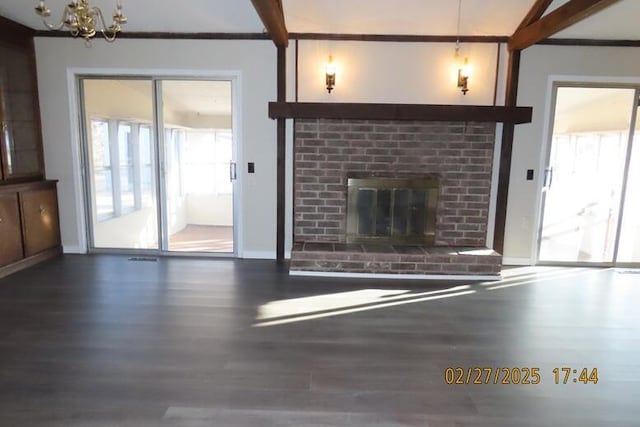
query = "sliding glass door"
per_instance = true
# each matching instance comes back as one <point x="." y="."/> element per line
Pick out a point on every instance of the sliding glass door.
<point x="120" y="162"/>
<point x="159" y="162"/>
<point x="199" y="165"/>
<point x="629" y="247"/>
<point x="590" y="208"/>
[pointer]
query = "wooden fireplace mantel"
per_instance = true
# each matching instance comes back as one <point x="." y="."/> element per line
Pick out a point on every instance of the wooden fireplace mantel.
<point x="413" y="112"/>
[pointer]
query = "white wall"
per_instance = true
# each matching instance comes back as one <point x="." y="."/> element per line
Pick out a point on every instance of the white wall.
<point x="253" y="61"/>
<point x="539" y="65"/>
<point x="209" y="209"/>
<point x="389" y="72"/>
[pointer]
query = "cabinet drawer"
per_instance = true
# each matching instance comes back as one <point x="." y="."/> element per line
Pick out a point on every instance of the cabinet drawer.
<point x="11" y="238"/>
<point x="40" y="225"/>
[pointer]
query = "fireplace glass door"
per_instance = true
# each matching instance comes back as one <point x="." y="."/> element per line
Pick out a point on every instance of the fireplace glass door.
<point x="389" y="210"/>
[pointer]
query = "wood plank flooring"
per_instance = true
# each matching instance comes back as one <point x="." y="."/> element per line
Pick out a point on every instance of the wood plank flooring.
<point x="104" y="341"/>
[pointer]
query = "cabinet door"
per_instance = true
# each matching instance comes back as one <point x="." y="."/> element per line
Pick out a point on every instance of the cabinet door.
<point x="11" y="238"/>
<point x="20" y="136"/>
<point x="40" y="220"/>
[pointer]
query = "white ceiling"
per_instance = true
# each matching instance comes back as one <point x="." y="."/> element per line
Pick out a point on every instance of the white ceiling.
<point x="580" y="109"/>
<point x="198" y="96"/>
<point x="417" y="17"/>
<point x="186" y="16"/>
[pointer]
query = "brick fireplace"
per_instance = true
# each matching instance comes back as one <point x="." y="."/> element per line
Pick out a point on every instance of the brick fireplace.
<point x="458" y="155"/>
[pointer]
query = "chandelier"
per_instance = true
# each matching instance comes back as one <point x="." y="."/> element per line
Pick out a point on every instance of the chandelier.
<point x="83" y="20"/>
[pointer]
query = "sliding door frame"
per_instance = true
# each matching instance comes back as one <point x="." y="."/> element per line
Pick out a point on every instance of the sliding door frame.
<point x="82" y="156"/>
<point x="546" y="158"/>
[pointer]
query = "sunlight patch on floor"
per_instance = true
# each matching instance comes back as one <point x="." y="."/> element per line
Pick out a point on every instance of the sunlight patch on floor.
<point x="320" y="306"/>
<point x="557" y="273"/>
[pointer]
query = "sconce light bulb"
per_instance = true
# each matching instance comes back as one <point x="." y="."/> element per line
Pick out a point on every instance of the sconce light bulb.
<point x="465" y="67"/>
<point x="463" y="76"/>
<point x="331" y="67"/>
<point x="330" y="74"/>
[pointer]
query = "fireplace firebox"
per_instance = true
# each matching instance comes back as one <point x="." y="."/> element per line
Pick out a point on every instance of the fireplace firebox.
<point x="392" y="210"/>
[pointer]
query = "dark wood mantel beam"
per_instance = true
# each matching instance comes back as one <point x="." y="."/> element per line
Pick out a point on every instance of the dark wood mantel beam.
<point x="566" y="15"/>
<point x="272" y="16"/>
<point x="412" y="112"/>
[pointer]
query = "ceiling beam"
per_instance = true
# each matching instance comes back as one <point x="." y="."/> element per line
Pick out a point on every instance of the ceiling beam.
<point x="535" y="13"/>
<point x="566" y="15"/>
<point x="272" y="16"/>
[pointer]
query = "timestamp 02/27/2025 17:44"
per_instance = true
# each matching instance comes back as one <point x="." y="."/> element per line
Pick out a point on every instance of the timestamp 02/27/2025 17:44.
<point x="518" y="375"/>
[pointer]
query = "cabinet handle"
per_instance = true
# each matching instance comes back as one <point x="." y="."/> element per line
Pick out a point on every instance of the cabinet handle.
<point x="43" y="210"/>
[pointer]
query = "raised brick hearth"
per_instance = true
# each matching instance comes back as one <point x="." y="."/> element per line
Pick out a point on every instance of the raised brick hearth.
<point x="458" y="154"/>
<point x="398" y="259"/>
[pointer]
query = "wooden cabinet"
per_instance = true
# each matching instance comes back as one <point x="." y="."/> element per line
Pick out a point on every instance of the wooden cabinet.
<point x="11" y="240"/>
<point x="29" y="226"/>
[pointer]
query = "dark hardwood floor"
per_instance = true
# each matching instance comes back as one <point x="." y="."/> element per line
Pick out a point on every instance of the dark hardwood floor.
<point x="104" y="341"/>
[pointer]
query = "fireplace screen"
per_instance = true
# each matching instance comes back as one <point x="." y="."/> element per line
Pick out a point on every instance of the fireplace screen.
<point x="391" y="210"/>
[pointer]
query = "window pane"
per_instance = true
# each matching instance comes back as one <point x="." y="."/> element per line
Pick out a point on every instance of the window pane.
<point x="146" y="171"/>
<point x="123" y="215"/>
<point x="125" y="155"/>
<point x="102" y="179"/>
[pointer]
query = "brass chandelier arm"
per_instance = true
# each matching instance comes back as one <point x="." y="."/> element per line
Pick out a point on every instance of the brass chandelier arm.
<point x="55" y="27"/>
<point x="84" y="20"/>
<point x="109" y="33"/>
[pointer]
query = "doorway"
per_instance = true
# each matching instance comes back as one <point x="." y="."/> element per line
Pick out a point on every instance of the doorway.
<point x="159" y="161"/>
<point x="591" y="196"/>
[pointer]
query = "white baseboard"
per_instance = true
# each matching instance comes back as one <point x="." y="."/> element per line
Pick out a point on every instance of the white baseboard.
<point x="259" y="255"/>
<point x="392" y="276"/>
<point x="78" y="250"/>
<point x="516" y="261"/>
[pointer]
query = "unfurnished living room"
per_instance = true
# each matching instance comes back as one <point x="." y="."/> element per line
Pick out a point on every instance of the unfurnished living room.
<point x="303" y="213"/>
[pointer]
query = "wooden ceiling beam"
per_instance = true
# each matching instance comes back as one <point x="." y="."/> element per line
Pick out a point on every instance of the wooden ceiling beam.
<point x="537" y="10"/>
<point x="272" y="16"/>
<point x="566" y="15"/>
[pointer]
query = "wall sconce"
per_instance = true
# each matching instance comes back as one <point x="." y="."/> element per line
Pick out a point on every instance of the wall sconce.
<point x="463" y="76"/>
<point x="330" y="74"/>
<point x="463" y="68"/>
